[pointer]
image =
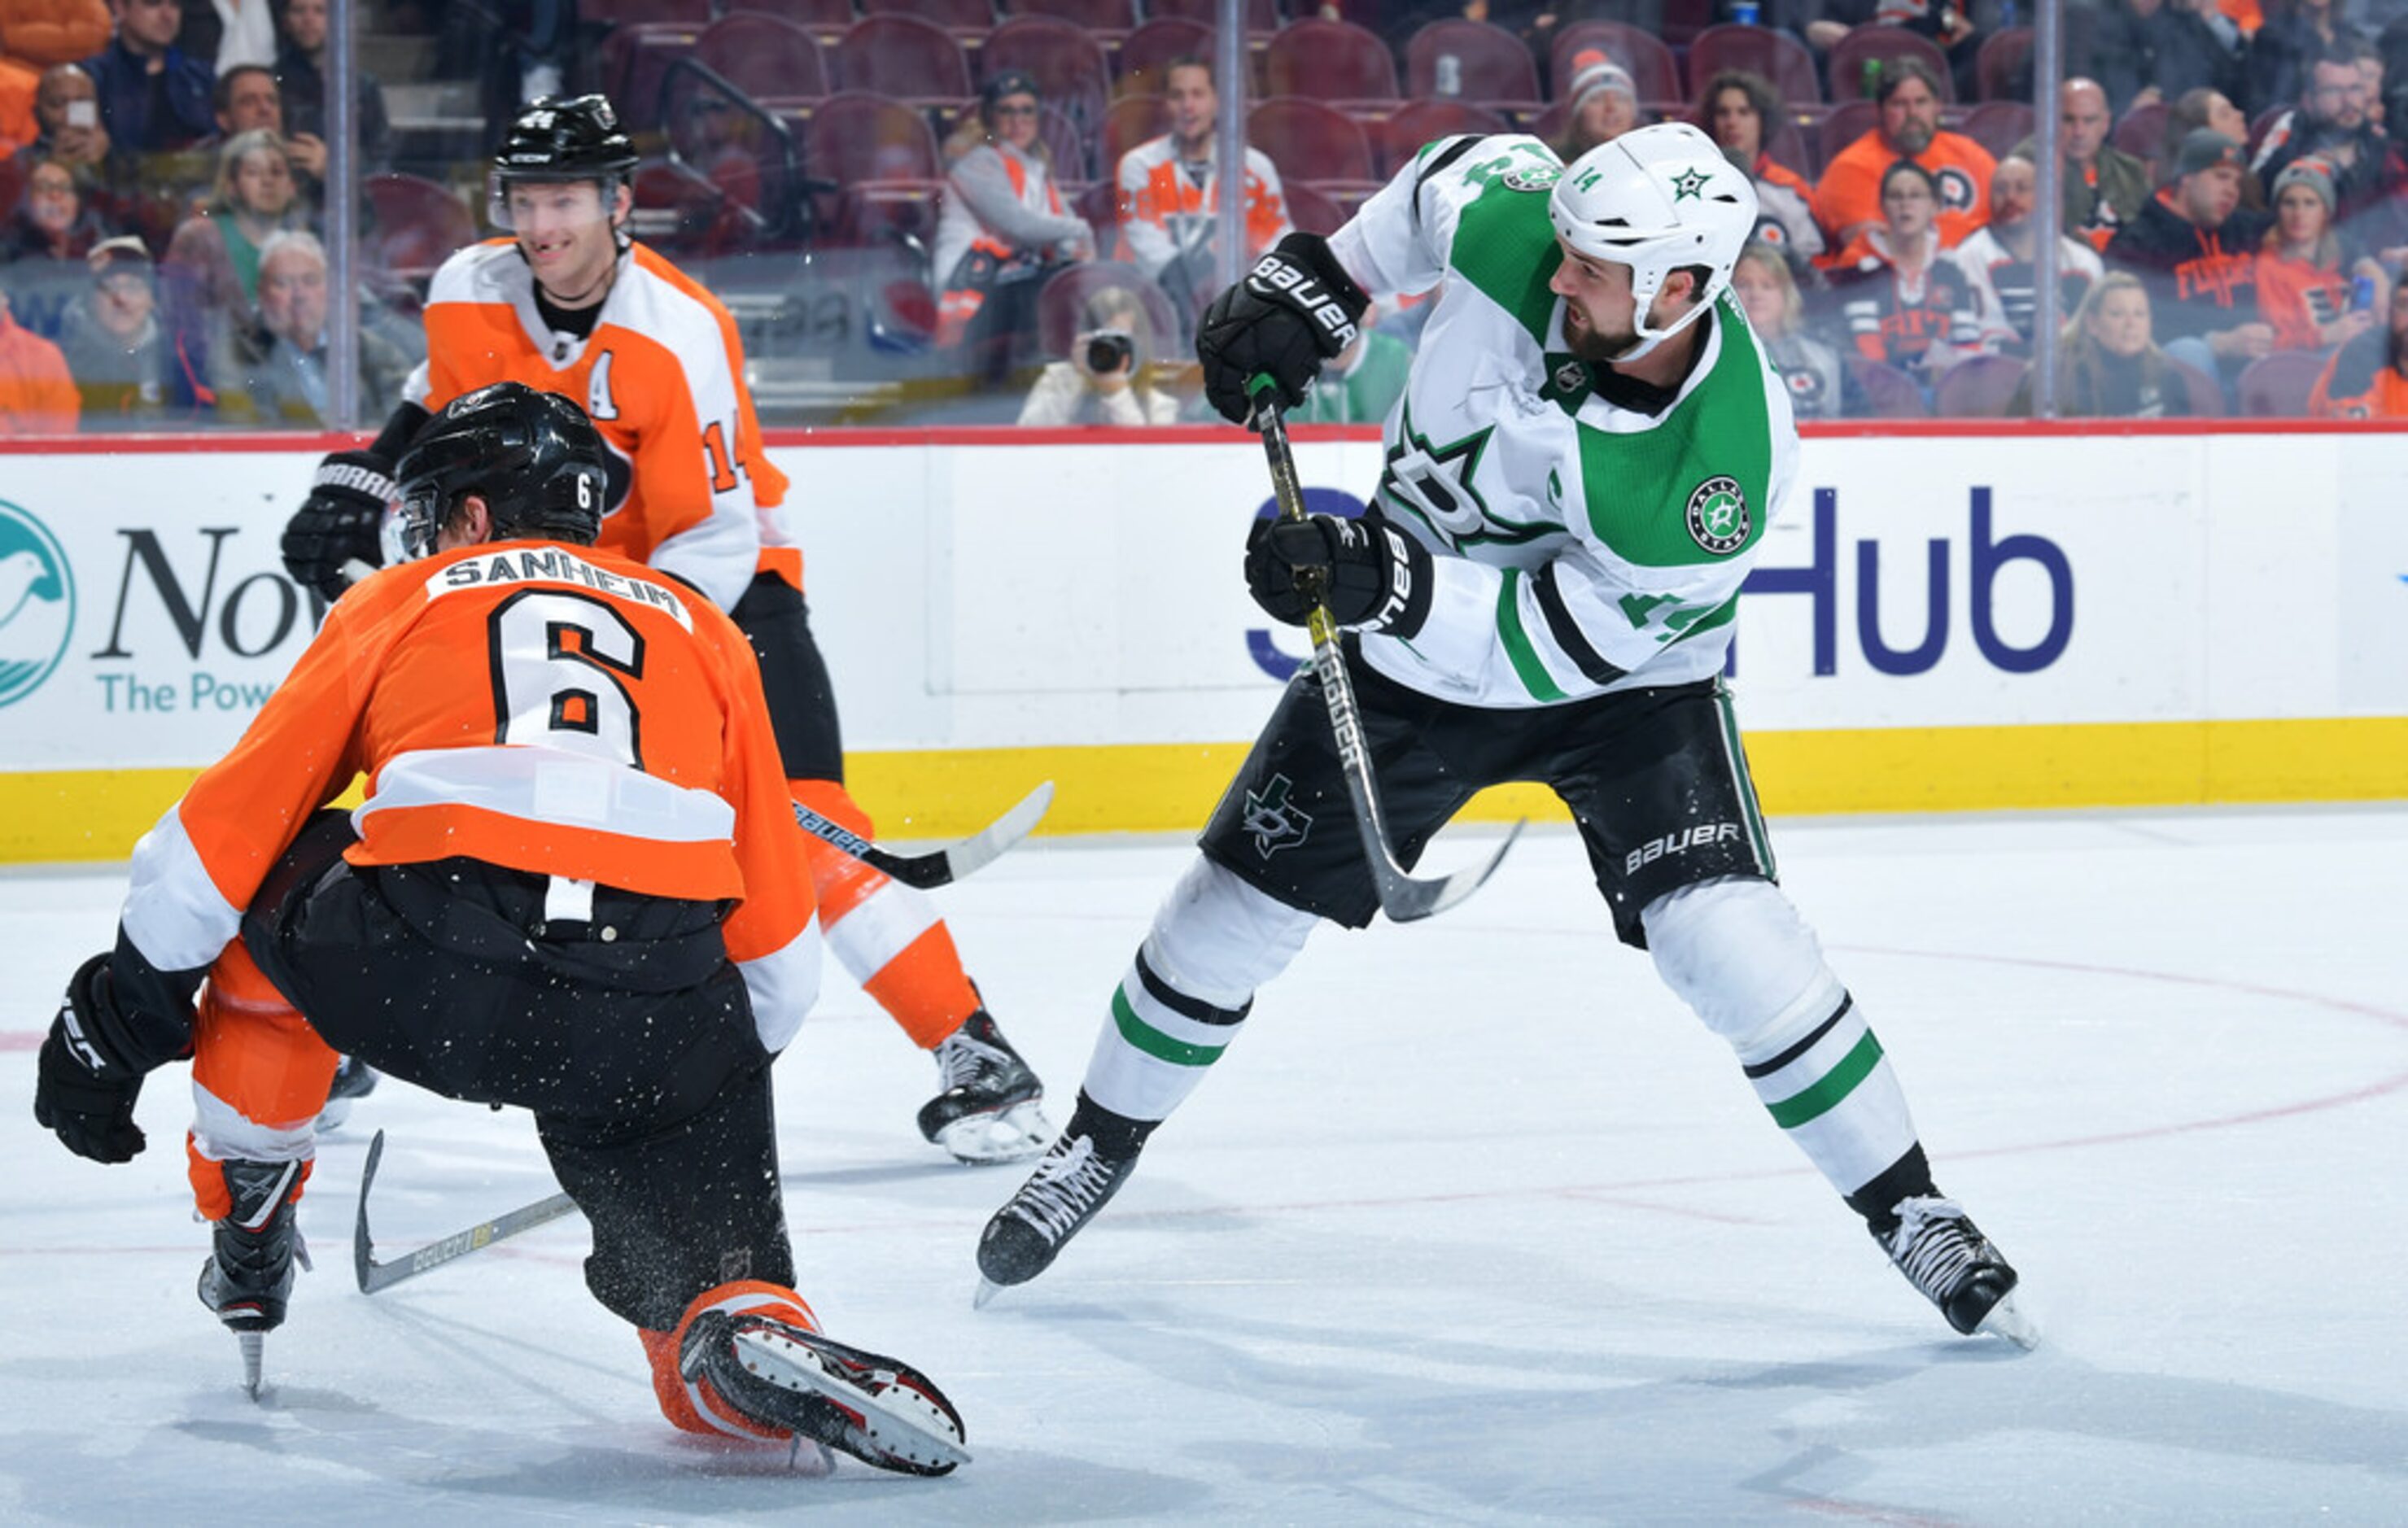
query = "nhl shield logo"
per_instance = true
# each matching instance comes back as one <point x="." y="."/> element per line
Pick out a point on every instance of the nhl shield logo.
<point x="1571" y="376"/>
<point x="1718" y="517"/>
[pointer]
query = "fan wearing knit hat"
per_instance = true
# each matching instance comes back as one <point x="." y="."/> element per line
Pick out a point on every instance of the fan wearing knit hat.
<point x="1600" y="105"/>
<point x="2311" y="277"/>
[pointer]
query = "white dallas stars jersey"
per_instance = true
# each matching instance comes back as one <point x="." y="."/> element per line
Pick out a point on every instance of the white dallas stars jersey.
<point x="1578" y="546"/>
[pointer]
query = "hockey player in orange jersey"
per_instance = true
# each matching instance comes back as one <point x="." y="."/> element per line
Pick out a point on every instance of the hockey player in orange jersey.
<point x="575" y="885"/>
<point x="569" y="304"/>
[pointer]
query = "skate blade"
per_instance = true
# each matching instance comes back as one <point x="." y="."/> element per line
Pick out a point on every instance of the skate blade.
<point x="988" y="1288"/>
<point x="2007" y="1319"/>
<point x="929" y="1443"/>
<point x="254" y="1344"/>
<point x="1015" y="1134"/>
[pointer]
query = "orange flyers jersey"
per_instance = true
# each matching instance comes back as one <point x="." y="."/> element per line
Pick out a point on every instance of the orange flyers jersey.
<point x="662" y="377"/>
<point x="1164" y="213"/>
<point x="543" y="707"/>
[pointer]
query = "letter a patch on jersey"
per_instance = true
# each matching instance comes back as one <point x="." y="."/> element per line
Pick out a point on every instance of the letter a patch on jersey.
<point x="1275" y="822"/>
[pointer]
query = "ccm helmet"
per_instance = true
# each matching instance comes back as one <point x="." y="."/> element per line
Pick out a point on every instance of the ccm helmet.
<point x="533" y="457"/>
<point x="1657" y="199"/>
<point x="554" y="140"/>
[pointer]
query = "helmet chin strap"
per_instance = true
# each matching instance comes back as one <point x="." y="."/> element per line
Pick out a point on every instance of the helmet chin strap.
<point x="1650" y="338"/>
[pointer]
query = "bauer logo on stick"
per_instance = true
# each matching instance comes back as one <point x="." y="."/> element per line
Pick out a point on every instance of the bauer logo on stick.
<point x="1718" y="517"/>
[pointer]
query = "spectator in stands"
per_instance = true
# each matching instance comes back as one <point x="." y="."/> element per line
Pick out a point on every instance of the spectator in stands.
<point x="1739" y="109"/>
<point x="2197" y="252"/>
<point x="2368" y="378"/>
<point x="275" y="371"/>
<point x="2206" y="108"/>
<point x="1602" y="103"/>
<point x="114" y="344"/>
<point x="1001" y="230"/>
<point x="38" y="396"/>
<point x="51" y="221"/>
<point x="2330" y="123"/>
<point x="152" y="97"/>
<point x="1362" y="383"/>
<point x="215" y="252"/>
<point x="1768" y="294"/>
<point x="66" y="110"/>
<point x="2107" y="365"/>
<point x="2293" y="35"/>
<point x="1170" y="194"/>
<point x="1108" y="377"/>
<point x="2102" y="188"/>
<point x="301" y="78"/>
<point x="1904" y="304"/>
<point x="2307" y="269"/>
<point x="1945" y="23"/>
<point x="248" y="99"/>
<point x="1848" y="199"/>
<point x="2149" y="50"/>
<point x="2002" y="259"/>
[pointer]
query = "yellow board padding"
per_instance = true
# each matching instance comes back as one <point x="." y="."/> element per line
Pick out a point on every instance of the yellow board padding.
<point x="1172" y="788"/>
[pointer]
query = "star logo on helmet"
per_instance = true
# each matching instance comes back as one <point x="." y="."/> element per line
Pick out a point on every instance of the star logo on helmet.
<point x="1689" y="185"/>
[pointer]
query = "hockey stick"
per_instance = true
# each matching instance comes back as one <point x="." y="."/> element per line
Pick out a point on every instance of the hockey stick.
<point x="375" y="1276"/>
<point x="1403" y="897"/>
<point x="942" y="866"/>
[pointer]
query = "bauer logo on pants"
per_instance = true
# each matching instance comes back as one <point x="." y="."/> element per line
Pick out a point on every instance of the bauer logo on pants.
<point x="36" y="603"/>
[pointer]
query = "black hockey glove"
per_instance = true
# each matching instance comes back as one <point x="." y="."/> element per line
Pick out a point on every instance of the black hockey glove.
<point x="1373" y="577"/>
<point x="80" y="1090"/>
<point x="341" y="521"/>
<point x="1296" y="309"/>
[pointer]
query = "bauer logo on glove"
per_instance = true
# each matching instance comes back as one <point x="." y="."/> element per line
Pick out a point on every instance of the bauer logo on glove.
<point x="1273" y="275"/>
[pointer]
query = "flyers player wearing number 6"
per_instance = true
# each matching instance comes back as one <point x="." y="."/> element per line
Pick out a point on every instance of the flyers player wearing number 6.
<point x="569" y="304"/>
<point x="575" y="885"/>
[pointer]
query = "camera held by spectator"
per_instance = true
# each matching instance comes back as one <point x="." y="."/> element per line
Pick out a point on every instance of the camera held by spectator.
<point x="1105" y="380"/>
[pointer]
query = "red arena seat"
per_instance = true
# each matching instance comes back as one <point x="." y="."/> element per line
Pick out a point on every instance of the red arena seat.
<point x="1776" y="56"/>
<point x="1865" y="44"/>
<point x="906" y="57"/>
<point x="1335" y="63"/>
<point x="1491" y="65"/>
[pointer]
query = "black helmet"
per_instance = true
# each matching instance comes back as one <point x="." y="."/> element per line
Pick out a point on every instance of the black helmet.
<point x="576" y="139"/>
<point x="533" y="457"/>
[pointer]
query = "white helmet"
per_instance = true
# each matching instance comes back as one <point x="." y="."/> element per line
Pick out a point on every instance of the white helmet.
<point x="1657" y="199"/>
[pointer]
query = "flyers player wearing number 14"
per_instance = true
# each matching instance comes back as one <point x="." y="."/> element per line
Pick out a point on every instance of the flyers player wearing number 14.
<point x="569" y="304"/>
<point x="1578" y="476"/>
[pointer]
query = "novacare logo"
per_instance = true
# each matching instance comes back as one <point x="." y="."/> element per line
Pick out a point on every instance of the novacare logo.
<point x="37" y="603"/>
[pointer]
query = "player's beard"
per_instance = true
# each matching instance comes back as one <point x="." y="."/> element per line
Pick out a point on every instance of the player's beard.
<point x="1590" y="343"/>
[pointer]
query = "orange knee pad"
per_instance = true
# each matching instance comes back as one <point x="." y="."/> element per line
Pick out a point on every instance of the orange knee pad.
<point x="693" y="1406"/>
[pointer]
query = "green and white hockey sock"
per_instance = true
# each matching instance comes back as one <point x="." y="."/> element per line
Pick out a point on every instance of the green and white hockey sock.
<point x="1836" y="1095"/>
<point x="1158" y="1045"/>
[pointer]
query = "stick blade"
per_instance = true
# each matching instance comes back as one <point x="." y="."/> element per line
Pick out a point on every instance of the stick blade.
<point x="1404" y="899"/>
<point x="363" y="1249"/>
<point x="973" y="855"/>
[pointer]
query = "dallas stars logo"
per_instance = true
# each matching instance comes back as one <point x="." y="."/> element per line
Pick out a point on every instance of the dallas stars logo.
<point x="1689" y="186"/>
<point x="1718" y="517"/>
<point x="1275" y="824"/>
<point x="1434" y="483"/>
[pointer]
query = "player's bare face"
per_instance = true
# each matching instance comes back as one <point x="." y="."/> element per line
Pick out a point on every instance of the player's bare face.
<point x="1599" y="308"/>
<point x="564" y="230"/>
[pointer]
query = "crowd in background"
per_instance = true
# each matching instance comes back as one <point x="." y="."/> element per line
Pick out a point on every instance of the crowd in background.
<point x="2235" y="213"/>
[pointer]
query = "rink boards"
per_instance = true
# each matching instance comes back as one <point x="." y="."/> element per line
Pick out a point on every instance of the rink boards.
<point x="1939" y="622"/>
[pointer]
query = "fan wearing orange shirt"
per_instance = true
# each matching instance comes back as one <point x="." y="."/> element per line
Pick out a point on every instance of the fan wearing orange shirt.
<point x="1847" y="198"/>
<point x="575" y="885"/>
<point x="570" y="305"/>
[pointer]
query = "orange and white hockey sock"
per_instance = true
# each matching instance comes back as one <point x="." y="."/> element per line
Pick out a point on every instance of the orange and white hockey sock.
<point x="889" y="937"/>
<point x="693" y="1405"/>
<point x="260" y="1075"/>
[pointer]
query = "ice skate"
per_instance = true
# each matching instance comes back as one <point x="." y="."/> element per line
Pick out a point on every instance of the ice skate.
<point x="1022" y="1240"/>
<point x="354" y="1080"/>
<point x="989" y="1109"/>
<point x="880" y="1410"/>
<point x="1943" y="1254"/>
<point x="248" y="1278"/>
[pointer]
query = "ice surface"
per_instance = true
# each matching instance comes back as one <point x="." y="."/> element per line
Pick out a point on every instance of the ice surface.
<point x="1474" y="1224"/>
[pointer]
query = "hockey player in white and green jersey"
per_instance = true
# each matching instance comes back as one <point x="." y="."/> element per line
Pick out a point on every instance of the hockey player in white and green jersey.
<point x="1579" y="475"/>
